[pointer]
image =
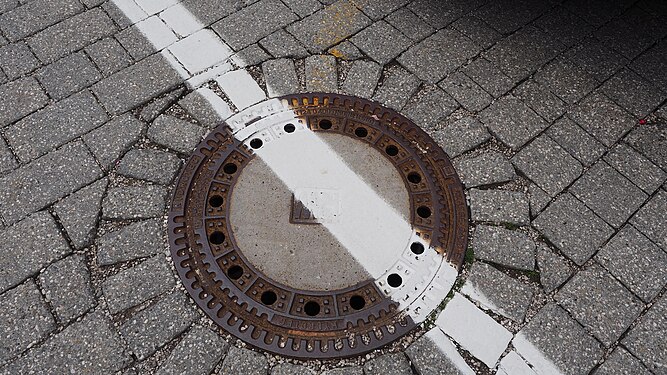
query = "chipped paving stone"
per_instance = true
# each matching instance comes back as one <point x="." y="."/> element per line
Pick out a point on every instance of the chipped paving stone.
<point x="150" y="165"/>
<point x="198" y="352"/>
<point x="434" y="354"/>
<point x="111" y="140"/>
<point x="485" y="169"/>
<point x="395" y="363"/>
<point x="500" y="206"/>
<point x="554" y="269"/>
<point x="504" y="246"/>
<point x="244" y="361"/>
<point x="647" y="340"/>
<point x="136" y="240"/>
<point x="134" y="202"/>
<point x="67" y="287"/>
<point x="79" y="212"/>
<point x="461" y="136"/>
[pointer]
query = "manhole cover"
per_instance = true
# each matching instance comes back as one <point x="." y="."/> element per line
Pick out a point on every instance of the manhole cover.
<point x="318" y="226"/>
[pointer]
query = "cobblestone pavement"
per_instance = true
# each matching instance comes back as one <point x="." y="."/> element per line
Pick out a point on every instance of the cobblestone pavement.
<point x="553" y="112"/>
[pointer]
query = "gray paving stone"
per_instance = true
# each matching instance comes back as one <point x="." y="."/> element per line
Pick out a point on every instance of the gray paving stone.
<point x="485" y="169"/>
<point x="636" y="262"/>
<point x="352" y="370"/>
<point x="110" y="141"/>
<point x="321" y="74"/>
<point x="36" y="241"/>
<point x="7" y="5"/>
<point x="507" y="17"/>
<point x="209" y="11"/>
<point x="537" y="97"/>
<point x="79" y="213"/>
<point x="68" y="75"/>
<point x="179" y="135"/>
<point x="109" y="56"/>
<point x="430" y="106"/>
<point x="396" y="364"/>
<point x="200" y="108"/>
<point x="134" y="202"/>
<point x="566" y="79"/>
<point x="645" y="97"/>
<point x="135" y="43"/>
<point x="471" y="96"/>
<point x="138" y="284"/>
<point x="461" y="136"/>
<point x="25" y="319"/>
<point x="19" y="98"/>
<point x="600" y="303"/>
<point x="650" y="218"/>
<point x="283" y="44"/>
<point x="346" y="50"/>
<point x="573" y="228"/>
<point x="440" y="14"/>
<point x="324" y="28"/>
<point x="500" y="206"/>
<point x="137" y="84"/>
<point x="608" y="193"/>
<point x="556" y="336"/>
<point x="427" y="357"/>
<point x="622" y="362"/>
<point x="72" y="34"/>
<point x="537" y="198"/>
<point x="136" y="240"/>
<point x="487" y="75"/>
<point x="438" y="55"/>
<point x="17" y="59"/>
<point x="291" y="369"/>
<point x="198" y="353"/>
<point x="477" y="30"/>
<point x="554" y="269"/>
<point x="647" y="340"/>
<point x="381" y="42"/>
<point x="636" y="168"/>
<point x="156" y="107"/>
<point x="88" y="346"/>
<point x="66" y="285"/>
<point x="150" y="165"/>
<point x="522" y="53"/>
<point x="565" y="26"/>
<point x="377" y="10"/>
<point x="409" y="24"/>
<point x="251" y="55"/>
<point x="601" y="117"/>
<point x="45" y="180"/>
<point x="651" y="141"/>
<point x="266" y="16"/>
<point x="281" y="78"/>
<point x="596" y="58"/>
<point x="597" y="13"/>
<point x="576" y="141"/>
<point x="547" y="164"/>
<point x="362" y="79"/>
<point x="55" y="125"/>
<point x="304" y="7"/>
<point x="626" y="39"/>
<point x="396" y="87"/>
<point x="496" y="291"/>
<point x="650" y="65"/>
<point x="505" y="247"/>
<point x="244" y="361"/>
<point x="513" y="122"/>
<point x="33" y="16"/>
<point x="7" y="159"/>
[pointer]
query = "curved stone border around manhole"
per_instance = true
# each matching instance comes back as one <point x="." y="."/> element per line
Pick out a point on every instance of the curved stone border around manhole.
<point x="317" y="324"/>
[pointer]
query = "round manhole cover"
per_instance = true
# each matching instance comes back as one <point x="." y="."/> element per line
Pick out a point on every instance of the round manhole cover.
<point x="318" y="226"/>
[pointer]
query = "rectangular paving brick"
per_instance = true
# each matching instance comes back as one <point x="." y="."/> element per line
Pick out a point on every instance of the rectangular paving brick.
<point x="596" y="58"/>
<point x="409" y="24"/>
<point x="461" y="136"/>
<point x="329" y="26"/>
<point x="381" y="42"/>
<point x="471" y="96"/>
<point x="573" y="228"/>
<point x="136" y="240"/>
<point x="66" y="284"/>
<point x="134" y="202"/>
<point x="601" y="117"/>
<point x="396" y="87"/>
<point x="321" y="73"/>
<point x="608" y="193"/>
<point x="137" y="84"/>
<point x="36" y="241"/>
<point x="20" y="98"/>
<point x="7" y="159"/>
<point x="647" y="340"/>
<point x="147" y="331"/>
<point x="430" y="106"/>
<point x="487" y="75"/>
<point x="68" y="75"/>
<point x="16" y="60"/>
<point x="512" y="121"/>
<point x="283" y="44"/>
<point x="55" y="125"/>
<point x="636" y="168"/>
<point x="600" y="303"/>
<point x="503" y="246"/>
<point x="645" y="97"/>
<point x="72" y="34"/>
<point x="362" y="78"/>
<point x="499" y="206"/>
<point x="265" y="16"/>
<point x="87" y="346"/>
<point x="566" y="79"/>
<point x="45" y="180"/>
<point x="198" y="352"/>
<point x="576" y="141"/>
<point x="435" y="57"/>
<point x="538" y="97"/>
<point x="36" y="15"/>
<point x="281" y="77"/>
<point x="24" y="318"/>
<point x="477" y="30"/>
<point x="109" y="56"/>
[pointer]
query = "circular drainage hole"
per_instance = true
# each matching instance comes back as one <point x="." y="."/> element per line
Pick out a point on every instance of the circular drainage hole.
<point x="289" y="128"/>
<point x="269" y="297"/>
<point x="217" y="238"/>
<point x="256" y="143"/>
<point x="311" y="308"/>
<point x="360" y="132"/>
<point x="235" y="272"/>
<point x="216" y="201"/>
<point x="417" y="248"/>
<point x="392" y="150"/>
<point x="230" y="168"/>
<point x="415" y="178"/>
<point x="394" y="280"/>
<point x="325" y="124"/>
<point x="423" y="212"/>
<point x="357" y="302"/>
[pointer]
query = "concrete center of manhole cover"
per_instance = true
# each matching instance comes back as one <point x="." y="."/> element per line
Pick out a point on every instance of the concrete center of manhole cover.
<point x="318" y="226"/>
